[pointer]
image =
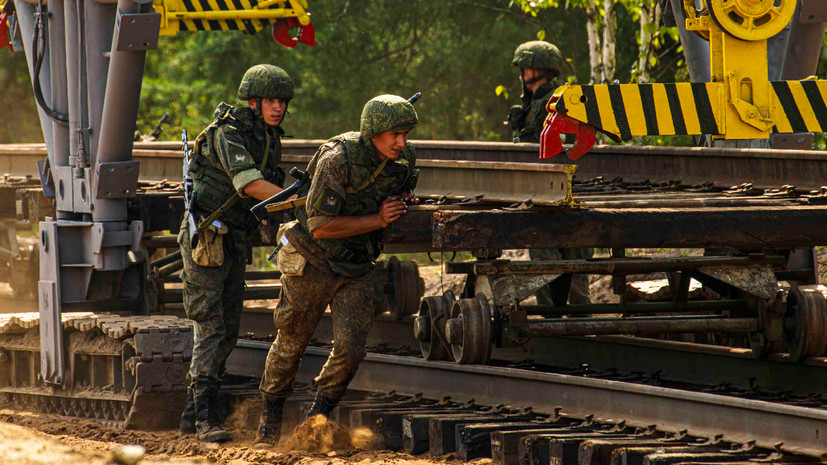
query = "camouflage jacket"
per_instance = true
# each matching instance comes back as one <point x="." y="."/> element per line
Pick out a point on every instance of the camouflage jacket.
<point x="527" y="120"/>
<point x="228" y="155"/>
<point x="344" y="185"/>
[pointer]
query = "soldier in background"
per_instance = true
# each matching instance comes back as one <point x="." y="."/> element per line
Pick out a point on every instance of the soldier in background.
<point x="540" y="64"/>
<point x="361" y="183"/>
<point x="234" y="166"/>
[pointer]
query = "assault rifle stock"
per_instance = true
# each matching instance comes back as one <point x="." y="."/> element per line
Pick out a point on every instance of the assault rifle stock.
<point x="260" y="209"/>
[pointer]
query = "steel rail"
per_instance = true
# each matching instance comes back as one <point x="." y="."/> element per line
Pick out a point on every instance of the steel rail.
<point x="738" y="420"/>
<point x="765" y="168"/>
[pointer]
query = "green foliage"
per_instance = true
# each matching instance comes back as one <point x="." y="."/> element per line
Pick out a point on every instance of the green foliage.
<point x="20" y="123"/>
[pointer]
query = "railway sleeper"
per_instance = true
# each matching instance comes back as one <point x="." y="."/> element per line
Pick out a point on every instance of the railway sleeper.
<point x="512" y="437"/>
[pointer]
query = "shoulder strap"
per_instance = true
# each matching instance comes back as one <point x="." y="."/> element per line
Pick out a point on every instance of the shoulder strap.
<point x="235" y="196"/>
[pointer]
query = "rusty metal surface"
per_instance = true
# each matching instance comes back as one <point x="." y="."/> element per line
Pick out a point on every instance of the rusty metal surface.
<point x="640" y="325"/>
<point x="744" y="228"/>
<point x="739" y="420"/>
<point x="612" y="266"/>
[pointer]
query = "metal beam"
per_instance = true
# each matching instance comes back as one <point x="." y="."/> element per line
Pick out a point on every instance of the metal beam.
<point x="744" y="228"/>
<point x="725" y="166"/>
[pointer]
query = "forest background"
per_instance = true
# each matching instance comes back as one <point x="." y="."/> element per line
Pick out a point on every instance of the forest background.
<point x="456" y="52"/>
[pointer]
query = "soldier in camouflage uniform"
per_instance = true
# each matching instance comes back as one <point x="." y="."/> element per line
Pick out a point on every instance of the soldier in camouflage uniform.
<point x="234" y="166"/>
<point x="361" y="183"/>
<point x="539" y="64"/>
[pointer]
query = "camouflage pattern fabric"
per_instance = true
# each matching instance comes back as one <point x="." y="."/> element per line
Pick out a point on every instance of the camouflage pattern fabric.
<point x="339" y="169"/>
<point x="213" y="299"/>
<point x="537" y="54"/>
<point x="228" y="156"/>
<point x="387" y="113"/>
<point x="302" y="303"/>
<point x="527" y="120"/>
<point x="579" y="293"/>
<point x="265" y="81"/>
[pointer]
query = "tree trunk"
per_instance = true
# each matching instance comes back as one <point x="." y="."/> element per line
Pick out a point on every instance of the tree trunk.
<point x="609" y="42"/>
<point x="595" y="65"/>
<point x="649" y="18"/>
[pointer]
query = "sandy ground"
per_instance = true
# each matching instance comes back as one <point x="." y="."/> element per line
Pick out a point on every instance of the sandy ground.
<point x="35" y="439"/>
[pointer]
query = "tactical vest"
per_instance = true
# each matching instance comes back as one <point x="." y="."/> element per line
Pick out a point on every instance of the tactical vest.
<point x="354" y="256"/>
<point x="535" y="112"/>
<point x="213" y="186"/>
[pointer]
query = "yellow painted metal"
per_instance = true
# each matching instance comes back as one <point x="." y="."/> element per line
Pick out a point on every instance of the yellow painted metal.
<point x="751" y="19"/>
<point x="739" y="103"/>
<point x="626" y="110"/>
<point x="191" y="15"/>
<point x="691" y="13"/>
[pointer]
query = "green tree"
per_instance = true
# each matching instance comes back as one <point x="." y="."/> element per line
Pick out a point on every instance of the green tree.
<point x="20" y="122"/>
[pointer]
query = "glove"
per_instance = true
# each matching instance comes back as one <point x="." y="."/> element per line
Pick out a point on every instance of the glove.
<point x="516" y="117"/>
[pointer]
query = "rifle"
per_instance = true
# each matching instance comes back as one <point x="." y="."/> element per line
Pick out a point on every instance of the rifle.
<point x="261" y="211"/>
<point x="159" y="128"/>
<point x="189" y="192"/>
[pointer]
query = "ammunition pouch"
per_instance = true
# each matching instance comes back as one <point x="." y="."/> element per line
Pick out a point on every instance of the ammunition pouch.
<point x="210" y="248"/>
<point x="289" y="261"/>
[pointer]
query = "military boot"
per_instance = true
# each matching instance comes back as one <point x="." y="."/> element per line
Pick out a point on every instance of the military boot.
<point x="207" y="425"/>
<point x="322" y="405"/>
<point x="187" y="425"/>
<point x="269" y="423"/>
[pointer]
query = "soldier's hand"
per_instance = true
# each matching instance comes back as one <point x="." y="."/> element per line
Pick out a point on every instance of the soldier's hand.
<point x="390" y="210"/>
<point x="410" y="198"/>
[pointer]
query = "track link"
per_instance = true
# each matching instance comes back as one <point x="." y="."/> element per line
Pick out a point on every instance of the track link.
<point x="125" y="371"/>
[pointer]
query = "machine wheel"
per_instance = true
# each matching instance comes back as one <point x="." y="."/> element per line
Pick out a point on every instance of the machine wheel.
<point x="805" y="323"/>
<point x="469" y="330"/>
<point x="380" y="300"/>
<point x="751" y="19"/>
<point x="408" y="288"/>
<point x="425" y="329"/>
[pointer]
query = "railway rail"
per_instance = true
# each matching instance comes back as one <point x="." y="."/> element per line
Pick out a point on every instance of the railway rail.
<point x="805" y="169"/>
<point x="594" y="404"/>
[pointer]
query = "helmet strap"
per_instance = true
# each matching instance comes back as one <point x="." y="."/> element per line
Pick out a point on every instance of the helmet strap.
<point x="550" y="74"/>
<point x="258" y="107"/>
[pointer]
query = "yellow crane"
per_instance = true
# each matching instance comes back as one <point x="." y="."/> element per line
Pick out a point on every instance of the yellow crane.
<point x="739" y="103"/>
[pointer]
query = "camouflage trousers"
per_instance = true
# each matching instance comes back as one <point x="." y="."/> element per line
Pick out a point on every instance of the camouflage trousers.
<point x="213" y="299"/>
<point x="303" y="302"/>
<point x="579" y="292"/>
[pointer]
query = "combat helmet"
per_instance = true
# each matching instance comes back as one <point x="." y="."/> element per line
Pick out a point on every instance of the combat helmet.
<point x="265" y="81"/>
<point x="538" y="54"/>
<point x="387" y="113"/>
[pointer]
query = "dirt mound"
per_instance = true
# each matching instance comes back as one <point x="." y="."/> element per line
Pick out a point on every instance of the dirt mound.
<point x="318" y="435"/>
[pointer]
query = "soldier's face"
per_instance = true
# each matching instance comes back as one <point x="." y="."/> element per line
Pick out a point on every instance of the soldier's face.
<point x="272" y="110"/>
<point x="389" y="144"/>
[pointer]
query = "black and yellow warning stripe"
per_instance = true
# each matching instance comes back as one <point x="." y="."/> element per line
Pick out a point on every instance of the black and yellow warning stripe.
<point x="799" y="106"/>
<point x="250" y="25"/>
<point x="626" y="110"/>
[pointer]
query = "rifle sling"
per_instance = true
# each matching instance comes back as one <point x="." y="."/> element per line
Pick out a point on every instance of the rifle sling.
<point x="235" y="196"/>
